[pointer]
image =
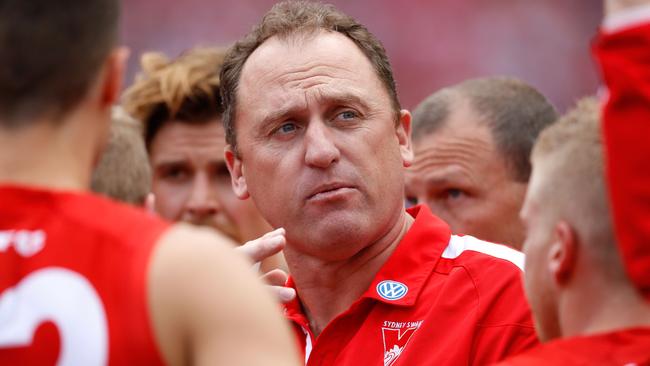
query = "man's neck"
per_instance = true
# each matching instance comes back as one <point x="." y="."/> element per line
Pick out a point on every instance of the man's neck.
<point x="46" y="154"/>
<point x="326" y="289"/>
<point x="617" y="307"/>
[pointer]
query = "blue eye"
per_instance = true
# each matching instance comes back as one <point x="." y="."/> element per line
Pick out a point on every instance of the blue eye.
<point x="347" y="115"/>
<point x="287" y="128"/>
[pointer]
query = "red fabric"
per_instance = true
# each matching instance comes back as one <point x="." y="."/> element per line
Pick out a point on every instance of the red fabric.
<point x="104" y="246"/>
<point x="626" y="347"/>
<point x="625" y="64"/>
<point x="469" y="310"/>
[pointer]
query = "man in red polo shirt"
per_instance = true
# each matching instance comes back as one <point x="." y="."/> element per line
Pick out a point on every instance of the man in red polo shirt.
<point x="585" y="305"/>
<point x="88" y="281"/>
<point x="317" y="138"/>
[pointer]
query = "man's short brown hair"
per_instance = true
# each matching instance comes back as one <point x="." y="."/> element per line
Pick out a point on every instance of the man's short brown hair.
<point x="514" y="111"/>
<point x="123" y="172"/>
<point x="185" y="90"/>
<point x="290" y="18"/>
<point x="50" y="54"/>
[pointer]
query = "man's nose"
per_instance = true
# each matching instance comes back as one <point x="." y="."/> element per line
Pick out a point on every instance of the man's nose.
<point x="320" y="150"/>
<point x="202" y="202"/>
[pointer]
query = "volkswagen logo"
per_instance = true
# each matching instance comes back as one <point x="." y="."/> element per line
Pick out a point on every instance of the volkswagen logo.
<point x="392" y="290"/>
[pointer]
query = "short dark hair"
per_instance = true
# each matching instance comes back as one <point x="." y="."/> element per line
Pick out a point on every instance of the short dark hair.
<point x="295" y="17"/>
<point x="51" y="53"/>
<point x="185" y="89"/>
<point x="514" y="111"/>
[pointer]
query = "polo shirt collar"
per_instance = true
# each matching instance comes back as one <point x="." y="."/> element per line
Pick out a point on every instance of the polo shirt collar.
<point x="401" y="279"/>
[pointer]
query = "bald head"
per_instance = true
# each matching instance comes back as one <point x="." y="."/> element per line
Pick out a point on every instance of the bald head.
<point x="514" y="112"/>
<point x="472" y="143"/>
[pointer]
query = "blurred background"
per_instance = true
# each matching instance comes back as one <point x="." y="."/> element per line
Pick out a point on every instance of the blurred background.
<point x="430" y="43"/>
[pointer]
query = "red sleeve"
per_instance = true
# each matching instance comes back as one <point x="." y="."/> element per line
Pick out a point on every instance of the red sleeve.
<point x="505" y="325"/>
<point x="497" y="343"/>
<point x="624" y="58"/>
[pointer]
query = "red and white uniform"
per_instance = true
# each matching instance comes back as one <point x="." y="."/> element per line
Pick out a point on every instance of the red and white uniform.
<point x="438" y="300"/>
<point x="73" y="286"/>
<point x="623" y="50"/>
<point x="629" y="347"/>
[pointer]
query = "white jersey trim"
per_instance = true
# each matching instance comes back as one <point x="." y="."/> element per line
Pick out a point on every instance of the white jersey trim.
<point x="308" y="346"/>
<point x="459" y="244"/>
<point x="627" y="18"/>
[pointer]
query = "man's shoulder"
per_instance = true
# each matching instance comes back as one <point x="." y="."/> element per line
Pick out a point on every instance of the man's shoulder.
<point x="482" y="256"/>
<point x="616" y="348"/>
<point x="494" y="273"/>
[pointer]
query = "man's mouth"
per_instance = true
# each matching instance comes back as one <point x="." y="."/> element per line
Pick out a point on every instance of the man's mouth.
<point x="330" y="190"/>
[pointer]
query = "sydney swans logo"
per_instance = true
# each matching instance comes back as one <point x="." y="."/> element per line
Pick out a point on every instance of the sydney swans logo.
<point x="396" y="336"/>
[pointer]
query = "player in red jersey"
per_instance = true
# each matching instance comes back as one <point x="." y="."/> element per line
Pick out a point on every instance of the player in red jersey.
<point x="84" y="280"/>
<point x="623" y="50"/>
<point x="318" y="140"/>
<point x="584" y="304"/>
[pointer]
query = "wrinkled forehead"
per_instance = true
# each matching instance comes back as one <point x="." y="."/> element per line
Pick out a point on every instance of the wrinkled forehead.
<point x="467" y="145"/>
<point x="301" y="62"/>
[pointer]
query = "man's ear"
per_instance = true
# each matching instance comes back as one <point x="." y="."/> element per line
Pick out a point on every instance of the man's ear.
<point x="236" y="170"/>
<point x="113" y="76"/>
<point x="563" y="253"/>
<point x="404" y="137"/>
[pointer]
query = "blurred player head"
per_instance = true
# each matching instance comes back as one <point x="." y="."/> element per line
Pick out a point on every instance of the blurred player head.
<point x="472" y="142"/>
<point x="60" y="71"/>
<point x="123" y="172"/>
<point x="573" y="269"/>
<point x="179" y="103"/>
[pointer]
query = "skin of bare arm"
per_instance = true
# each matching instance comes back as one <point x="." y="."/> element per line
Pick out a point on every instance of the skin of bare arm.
<point x="614" y="6"/>
<point x="207" y="308"/>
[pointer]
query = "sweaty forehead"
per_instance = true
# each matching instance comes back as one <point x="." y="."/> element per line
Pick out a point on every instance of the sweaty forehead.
<point x="298" y="64"/>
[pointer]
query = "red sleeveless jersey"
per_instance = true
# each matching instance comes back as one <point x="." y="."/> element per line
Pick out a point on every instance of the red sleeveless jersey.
<point x="73" y="280"/>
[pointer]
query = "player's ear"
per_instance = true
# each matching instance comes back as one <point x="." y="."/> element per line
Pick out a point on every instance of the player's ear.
<point x="236" y="169"/>
<point x="114" y="76"/>
<point x="563" y="253"/>
<point x="403" y="132"/>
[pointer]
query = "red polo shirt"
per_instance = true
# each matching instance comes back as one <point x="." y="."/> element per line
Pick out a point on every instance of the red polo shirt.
<point x="629" y="347"/>
<point x="438" y="300"/>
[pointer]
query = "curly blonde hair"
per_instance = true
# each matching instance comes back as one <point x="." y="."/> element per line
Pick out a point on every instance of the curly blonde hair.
<point x="185" y="89"/>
